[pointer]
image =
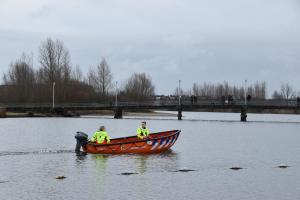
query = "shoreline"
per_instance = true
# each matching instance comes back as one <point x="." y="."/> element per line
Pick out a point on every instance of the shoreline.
<point x="89" y="113"/>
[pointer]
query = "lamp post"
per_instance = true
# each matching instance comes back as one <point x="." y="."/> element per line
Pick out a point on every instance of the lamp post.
<point x="179" y="101"/>
<point x="245" y="92"/>
<point x="116" y="94"/>
<point x="179" y="92"/>
<point x="53" y="94"/>
<point x="118" y="110"/>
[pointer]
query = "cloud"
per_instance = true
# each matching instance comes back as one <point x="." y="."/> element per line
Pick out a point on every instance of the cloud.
<point x="193" y="40"/>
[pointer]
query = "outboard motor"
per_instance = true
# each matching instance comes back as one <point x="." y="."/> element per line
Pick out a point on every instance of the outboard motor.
<point x="81" y="141"/>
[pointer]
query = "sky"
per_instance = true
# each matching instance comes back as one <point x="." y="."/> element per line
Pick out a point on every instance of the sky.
<point x="194" y="41"/>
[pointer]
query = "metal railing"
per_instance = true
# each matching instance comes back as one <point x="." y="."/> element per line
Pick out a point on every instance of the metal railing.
<point x="160" y="103"/>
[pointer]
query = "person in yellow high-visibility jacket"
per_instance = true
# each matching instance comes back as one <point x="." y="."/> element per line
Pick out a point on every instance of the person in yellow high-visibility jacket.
<point x="101" y="136"/>
<point x="142" y="131"/>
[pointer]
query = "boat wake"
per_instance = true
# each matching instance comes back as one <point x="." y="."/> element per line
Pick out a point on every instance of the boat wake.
<point x="37" y="152"/>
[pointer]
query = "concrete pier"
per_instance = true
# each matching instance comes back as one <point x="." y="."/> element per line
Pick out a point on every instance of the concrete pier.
<point x="2" y="112"/>
<point x="179" y="112"/>
<point x="243" y="114"/>
<point x="118" y="113"/>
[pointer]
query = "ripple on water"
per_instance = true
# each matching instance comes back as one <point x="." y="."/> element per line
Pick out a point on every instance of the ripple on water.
<point x="41" y="151"/>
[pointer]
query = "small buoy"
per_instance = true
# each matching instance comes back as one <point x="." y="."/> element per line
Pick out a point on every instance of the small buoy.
<point x="283" y="166"/>
<point x="235" y="168"/>
<point x="186" y="170"/>
<point x="3" y="181"/>
<point x="61" y="177"/>
<point x="128" y="173"/>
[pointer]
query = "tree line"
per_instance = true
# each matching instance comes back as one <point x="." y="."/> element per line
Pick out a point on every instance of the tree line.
<point x="258" y="91"/>
<point x="24" y="83"/>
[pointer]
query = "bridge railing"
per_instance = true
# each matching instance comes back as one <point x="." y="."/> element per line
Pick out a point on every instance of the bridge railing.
<point x="159" y="103"/>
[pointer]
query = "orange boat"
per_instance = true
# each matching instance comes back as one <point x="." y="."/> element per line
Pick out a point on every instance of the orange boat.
<point x="154" y="143"/>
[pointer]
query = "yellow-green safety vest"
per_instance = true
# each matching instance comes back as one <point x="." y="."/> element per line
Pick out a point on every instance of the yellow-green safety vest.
<point x="100" y="137"/>
<point x="142" y="132"/>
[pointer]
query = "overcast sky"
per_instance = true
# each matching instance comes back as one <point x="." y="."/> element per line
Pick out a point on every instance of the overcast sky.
<point x="191" y="40"/>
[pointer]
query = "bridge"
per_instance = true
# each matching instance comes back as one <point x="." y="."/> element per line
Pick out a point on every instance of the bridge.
<point x="209" y="105"/>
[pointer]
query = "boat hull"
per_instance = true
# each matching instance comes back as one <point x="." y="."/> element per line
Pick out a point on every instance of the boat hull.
<point x="155" y="143"/>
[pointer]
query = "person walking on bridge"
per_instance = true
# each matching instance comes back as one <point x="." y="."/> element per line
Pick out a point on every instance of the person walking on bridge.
<point x="142" y="131"/>
<point x="101" y="136"/>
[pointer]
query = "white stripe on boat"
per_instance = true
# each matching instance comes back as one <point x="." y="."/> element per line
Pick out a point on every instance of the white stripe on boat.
<point x="155" y="145"/>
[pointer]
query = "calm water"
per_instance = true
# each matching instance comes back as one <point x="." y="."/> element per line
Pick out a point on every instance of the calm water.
<point x="35" y="151"/>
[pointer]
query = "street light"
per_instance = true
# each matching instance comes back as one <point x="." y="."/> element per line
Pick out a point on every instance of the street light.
<point x="53" y="94"/>
<point x="116" y="93"/>
<point x="245" y="92"/>
<point x="179" y="92"/>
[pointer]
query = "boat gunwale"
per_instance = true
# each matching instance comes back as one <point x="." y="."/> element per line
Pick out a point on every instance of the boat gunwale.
<point x="144" y="140"/>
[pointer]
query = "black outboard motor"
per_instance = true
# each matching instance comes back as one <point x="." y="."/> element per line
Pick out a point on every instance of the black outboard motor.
<point x="81" y="141"/>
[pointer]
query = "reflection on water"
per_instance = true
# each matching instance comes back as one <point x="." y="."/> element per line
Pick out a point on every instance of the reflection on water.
<point x="141" y="164"/>
<point x="80" y="159"/>
<point x="156" y="162"/>
<point x="38" y="151"/>
<point x="100" y="172"/>
<point x="166" y="161"/>
<point x="100" y="169"/>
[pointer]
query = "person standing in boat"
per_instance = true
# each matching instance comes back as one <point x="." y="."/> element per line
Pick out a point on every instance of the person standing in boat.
<point x="101" y="136"/>
<point x="142" y="131"/>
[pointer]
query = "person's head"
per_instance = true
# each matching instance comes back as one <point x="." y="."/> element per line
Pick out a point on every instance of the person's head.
<point x="102" y="128"/>
<point x="143" y="124"/>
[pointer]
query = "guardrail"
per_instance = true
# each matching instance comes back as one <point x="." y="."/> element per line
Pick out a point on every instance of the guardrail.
<point x="159" y="103"/>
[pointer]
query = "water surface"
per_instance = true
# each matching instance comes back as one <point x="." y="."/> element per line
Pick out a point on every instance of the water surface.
<point x="33" y="151"/>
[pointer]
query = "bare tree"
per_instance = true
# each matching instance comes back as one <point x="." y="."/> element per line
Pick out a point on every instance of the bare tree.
<point x="105" y="77"/>
<point x="209" y="90"/>
<point x="287" y="91"/>
<point x="77" y="74"/>
<point x="178" y="92"/>
<point x="263" y="90"/>
<point x="276" y="95"/>
<point x="21" y="77"/>
<point x="23" y="83"/>
<point x="259" y="90"/>
<point x="100" y="78"/>
<point x="92" y="79"/>
<point x="139" y="87"/>
<point x="55" y="61"/>
<point x="196" y="89"/>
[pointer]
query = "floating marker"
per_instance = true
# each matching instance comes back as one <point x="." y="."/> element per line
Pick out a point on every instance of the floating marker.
<point x="235" y="168"/>
<point x="61" y="177"/>
<point x="283" y="166"/>
<point x="184" y="170"/>
<point x="128" y="173"/>
<point x="4" y="181"/>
